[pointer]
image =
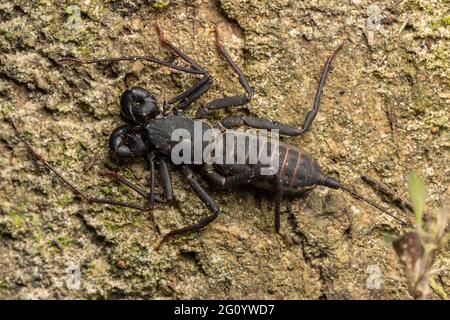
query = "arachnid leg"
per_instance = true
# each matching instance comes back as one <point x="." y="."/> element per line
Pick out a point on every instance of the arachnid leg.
<point x="388" y="192"/>
<point x="285" y="129"/>
<point x="165" y="179"/>
<point x="75" y="189"/>
<point x="232" y="101"/>
<point x="190" y="95"/>
<point x="195" y="67"/>
<point x="260" y="123"/>
<point x="129" y="58"/>
<point x="194" y="227"/>
<point x="151" y="162"/>
<point x="226" y="182"/>
<point x="177" y="51"/>
<point x="198" y="189"/>
<point x="204" y="197"/>
<point x="278" y="199"/>
<point x="187" y="97"/>
<point x="120" y="179"/>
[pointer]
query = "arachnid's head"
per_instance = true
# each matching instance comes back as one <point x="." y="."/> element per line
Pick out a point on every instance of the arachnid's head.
<point x="129" y="142"/>
<point x="138" y="106"/>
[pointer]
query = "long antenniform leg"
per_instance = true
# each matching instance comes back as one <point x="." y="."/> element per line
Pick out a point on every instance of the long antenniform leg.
<point x="230" y="181"/>
<point x="151" y="161"/>
<point x="129" y="58"/>
<point x="204" y="197"/>
<point x="232" y="101"/>
<point x="165" y="178"/>
<point x="193" y="93"/>
<point x="177" y="51"/>
<point x="120" y="179"/>
<point x="284" y="129"/>
<point x="195" y="67"/>
<point x="185" y="98"/>
<point x="75" y="189"/>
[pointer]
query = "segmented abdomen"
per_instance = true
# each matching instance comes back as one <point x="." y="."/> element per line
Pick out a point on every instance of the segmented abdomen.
<point x="295" y="168"/>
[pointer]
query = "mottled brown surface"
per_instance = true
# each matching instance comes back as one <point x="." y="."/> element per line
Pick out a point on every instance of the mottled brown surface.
<point x="385" y="112"/>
